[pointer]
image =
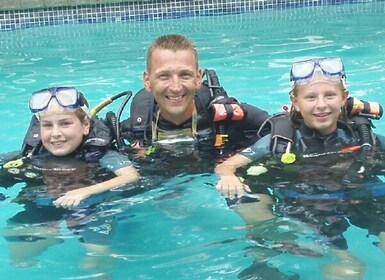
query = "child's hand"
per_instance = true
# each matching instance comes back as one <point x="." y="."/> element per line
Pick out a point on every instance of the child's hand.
<point x="72" y="198"/>
<point x="231" y="186"/>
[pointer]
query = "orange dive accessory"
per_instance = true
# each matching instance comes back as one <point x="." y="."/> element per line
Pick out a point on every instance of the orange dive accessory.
<point x="357" y="107"/>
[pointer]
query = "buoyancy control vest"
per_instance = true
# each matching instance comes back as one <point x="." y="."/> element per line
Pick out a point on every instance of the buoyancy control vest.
<point x="93" y="147"/>
<point x="285" y="135"/>
<point x="214" y="109"/>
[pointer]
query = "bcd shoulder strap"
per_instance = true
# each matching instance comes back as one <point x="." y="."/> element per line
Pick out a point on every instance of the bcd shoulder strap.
<point x="31" y="142"/>
<point x="138" y="125"/>
<point x="97" y="142"/>
<point x="281" y="130"/>
<point x="100" y="134"/>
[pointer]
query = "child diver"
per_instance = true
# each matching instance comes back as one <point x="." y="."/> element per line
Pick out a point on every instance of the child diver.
<point x="312" y="166"/>
<point x="68" y="130"/>
<point x="72" y="159"/>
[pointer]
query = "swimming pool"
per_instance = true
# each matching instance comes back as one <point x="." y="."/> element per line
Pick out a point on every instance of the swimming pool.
<point x="175" y="231"/>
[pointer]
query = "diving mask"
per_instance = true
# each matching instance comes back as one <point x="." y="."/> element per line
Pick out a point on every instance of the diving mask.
<point x="331" y="68"/>
<point x="66" y="97"/>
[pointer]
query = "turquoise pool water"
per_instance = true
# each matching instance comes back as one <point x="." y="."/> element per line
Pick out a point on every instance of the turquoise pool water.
<point x="184" y="229"/>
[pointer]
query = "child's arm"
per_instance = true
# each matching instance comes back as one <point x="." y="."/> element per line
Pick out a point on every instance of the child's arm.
<point x="125" y="173"/>
<point x="229" y="184"/>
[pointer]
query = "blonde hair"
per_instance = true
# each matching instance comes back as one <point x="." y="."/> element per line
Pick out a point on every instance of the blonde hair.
<point x="81" y="114"/>
<point x="173" y="42"/>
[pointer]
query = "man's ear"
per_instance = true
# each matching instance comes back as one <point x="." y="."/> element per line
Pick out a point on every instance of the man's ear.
<point x="199" y="78"/>
<point x="146" y="81"/>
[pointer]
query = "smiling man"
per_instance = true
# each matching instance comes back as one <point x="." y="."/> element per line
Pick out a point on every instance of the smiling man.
<point x="173" y="76"/>
<point x="178" y="108"/>
<point x="183" y="121"/>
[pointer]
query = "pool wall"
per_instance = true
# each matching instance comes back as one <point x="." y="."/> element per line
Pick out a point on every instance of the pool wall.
<point x="20" y="14"/>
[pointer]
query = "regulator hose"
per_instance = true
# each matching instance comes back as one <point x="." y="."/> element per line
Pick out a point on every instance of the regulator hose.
<point x="364" y="132"/>
<point x="107" y="101"/>
<point x="112" y="123"/>
<point x="119" y="141"/>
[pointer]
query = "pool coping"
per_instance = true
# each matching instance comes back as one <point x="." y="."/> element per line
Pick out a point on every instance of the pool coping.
<point x="147" y="11"/>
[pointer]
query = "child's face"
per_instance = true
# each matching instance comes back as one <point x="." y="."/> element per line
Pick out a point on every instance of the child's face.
<point x="320" y="103"/>
<point x="61" y="130"/>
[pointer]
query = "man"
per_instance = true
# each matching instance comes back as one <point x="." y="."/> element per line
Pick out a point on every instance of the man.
<point x="177" y="111"/>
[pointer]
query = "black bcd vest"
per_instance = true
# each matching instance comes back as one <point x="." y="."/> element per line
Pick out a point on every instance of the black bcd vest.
<point x="94" y="145"/>
<point x="283" y="132"/>
<point x="137" y="128"/>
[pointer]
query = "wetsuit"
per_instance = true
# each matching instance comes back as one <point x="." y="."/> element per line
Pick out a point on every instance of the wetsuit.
<point x="193" y="150"/>
<point x="241" y="133"/>
<point x="47" y="177"/>
<point x="322" y="187"/>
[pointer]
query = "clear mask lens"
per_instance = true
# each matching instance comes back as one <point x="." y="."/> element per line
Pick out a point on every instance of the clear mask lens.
<point x="39" y="99"/>
<point x="331" y="68"/>
<point x="67" y="97"/>
<point x="302" y="70"/>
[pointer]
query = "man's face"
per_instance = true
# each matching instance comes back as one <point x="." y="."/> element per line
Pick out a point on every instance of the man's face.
<point x="174" y="79"/>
